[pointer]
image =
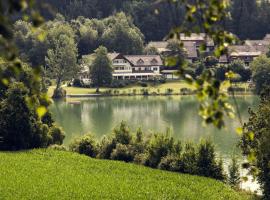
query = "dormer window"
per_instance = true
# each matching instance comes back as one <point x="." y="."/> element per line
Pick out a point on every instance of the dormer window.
<point x="140" y="61"/>
<point x="154" y="61"/>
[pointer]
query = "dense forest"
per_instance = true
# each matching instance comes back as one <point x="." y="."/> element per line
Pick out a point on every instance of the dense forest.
<point x="248" y="19"/>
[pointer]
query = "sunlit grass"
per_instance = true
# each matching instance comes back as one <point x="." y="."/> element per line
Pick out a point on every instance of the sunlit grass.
<point x="151" y="88"/>
<point x="51" y="174"/>
<point x="158" y="88"/>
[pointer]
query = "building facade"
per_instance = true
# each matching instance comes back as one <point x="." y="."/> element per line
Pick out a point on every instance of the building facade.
<point x="140" y="67"/>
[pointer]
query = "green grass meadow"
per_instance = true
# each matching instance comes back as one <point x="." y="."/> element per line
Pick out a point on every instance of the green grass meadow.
<point x="51" y="174"/>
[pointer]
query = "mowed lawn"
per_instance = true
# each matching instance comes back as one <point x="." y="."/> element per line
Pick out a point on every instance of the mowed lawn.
<point x="51" y="174"/>
<point x="158" y="88"/>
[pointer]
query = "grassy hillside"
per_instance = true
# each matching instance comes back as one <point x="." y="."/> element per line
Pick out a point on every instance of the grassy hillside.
<point x="51" y="174"/>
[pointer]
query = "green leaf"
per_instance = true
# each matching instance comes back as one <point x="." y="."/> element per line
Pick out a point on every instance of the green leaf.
<point x="239" y="130"/>
<point x="41" y="111"/>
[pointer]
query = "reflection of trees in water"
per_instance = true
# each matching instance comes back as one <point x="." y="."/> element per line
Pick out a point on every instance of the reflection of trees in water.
<point x="101" y="115"/>
<point x="97" y="116"/>
<point x="68" y="116"/>
<point x="180" y="114"/>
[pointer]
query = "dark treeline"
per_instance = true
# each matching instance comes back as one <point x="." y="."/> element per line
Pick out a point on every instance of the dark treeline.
<point x="247" y="19"/>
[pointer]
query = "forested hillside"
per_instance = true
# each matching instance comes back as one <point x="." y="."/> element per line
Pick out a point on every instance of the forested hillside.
<point x="248" y="19"/>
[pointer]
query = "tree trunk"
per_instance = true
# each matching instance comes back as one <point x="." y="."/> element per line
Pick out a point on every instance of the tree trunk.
<point x="58" y="83"/>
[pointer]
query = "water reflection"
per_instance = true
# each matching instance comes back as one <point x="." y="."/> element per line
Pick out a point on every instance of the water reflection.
<point x="154" y="114"/>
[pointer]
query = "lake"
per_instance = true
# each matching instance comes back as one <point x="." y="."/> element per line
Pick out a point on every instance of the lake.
<point x="179" y="114"/>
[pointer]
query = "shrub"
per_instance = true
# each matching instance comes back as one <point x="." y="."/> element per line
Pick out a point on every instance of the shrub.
<point x="119" y="83"/>
<point x="162" y="80"/>
<point x="140" y="158"/>
<point x="185" y="91"/>
<point x="143" y="84"/>
<point x="57" y="135"/>
<point x="170" y="163"/>
<point x="85" y="145"/>
<point x="144" y="92"/>
<point x="77" y="83"/>
<point x="189" y="159"/>
<point x="108" y="92"/>
<point x="234" y="174"/>
<point x="169" y="91"/>
<point x="206" y="161"/>
<point x="59" y="93"/>
<point x="20" y="127"/>
<point x="255" y="143"/>
<point x="122" y="134"/>
<point x="106" y="147"/>
<point x="122" y="152"/>
<point x="160" y="145"/>
<point x="48" y="82"/>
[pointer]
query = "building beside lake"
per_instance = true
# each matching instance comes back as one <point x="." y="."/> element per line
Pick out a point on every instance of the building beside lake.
<point x="130" y="67"/>
<point x="147" y="67"/>
<point x="140" y="67"/>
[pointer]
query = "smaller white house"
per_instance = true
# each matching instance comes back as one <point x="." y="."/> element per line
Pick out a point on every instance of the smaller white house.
<point x="84" y="75"/>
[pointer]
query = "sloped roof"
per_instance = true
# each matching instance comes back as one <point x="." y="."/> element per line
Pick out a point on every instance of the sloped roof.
<point x="223" y="59"/>
<point x="144" y="60"/>
<point x="197" y="37"/>
<point x="161" y="46"/>
<point x="113" y="55"/>
<point x="243" y="50"/>
<point x="191" y="49"/>
<point x="267" y="37"/>
<point x="259" y="45"/>
<point x="189" y="46"/>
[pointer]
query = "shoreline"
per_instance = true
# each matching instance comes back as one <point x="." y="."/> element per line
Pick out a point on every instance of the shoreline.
<point x="133" y="95"/>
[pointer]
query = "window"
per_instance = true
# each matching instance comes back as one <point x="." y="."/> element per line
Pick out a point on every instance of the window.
<point x="140" y="61"/>
<point x="154" y="61"/>
<point x="155" y="69"/>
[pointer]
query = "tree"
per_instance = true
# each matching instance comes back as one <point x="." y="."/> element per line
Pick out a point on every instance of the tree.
<point x="234" y="178"/>
<point x="61" y="58"/>
<point x="101" y="68"/>
<point x="255" y="143"/>
<point x="151" y="50"/>
<point x="244" y="22"/>
<point x="238" y="67"/>
<point x="122" y="36"/>
<point x="21" y="126"/>
<point x="268" y="53"/>
<point x="260" y="68"/>
<point x="31" y="45"/>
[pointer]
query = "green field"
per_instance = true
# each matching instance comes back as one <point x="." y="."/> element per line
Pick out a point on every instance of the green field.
<point x="51" y="174"/>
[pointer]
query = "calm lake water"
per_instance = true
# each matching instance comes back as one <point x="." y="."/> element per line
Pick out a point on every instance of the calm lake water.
<point x="153" y="114"/>
<point x="101" y="115"/>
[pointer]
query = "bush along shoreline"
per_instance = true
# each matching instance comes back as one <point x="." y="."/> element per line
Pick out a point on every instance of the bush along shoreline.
<point x="160" y="151"/>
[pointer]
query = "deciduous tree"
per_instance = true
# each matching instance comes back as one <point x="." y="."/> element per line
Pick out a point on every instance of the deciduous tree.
<point x="101" y="68"/>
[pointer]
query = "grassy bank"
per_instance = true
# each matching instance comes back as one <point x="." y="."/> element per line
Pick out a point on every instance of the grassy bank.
<point x="161" y="89"/>
<point x="51" y="174"/>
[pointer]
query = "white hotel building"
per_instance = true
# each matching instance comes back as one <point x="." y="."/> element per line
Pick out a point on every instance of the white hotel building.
<point x="140" y="67"/>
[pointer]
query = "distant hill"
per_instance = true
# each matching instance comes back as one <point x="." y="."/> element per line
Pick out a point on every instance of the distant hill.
<point x="248" y="19"/>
